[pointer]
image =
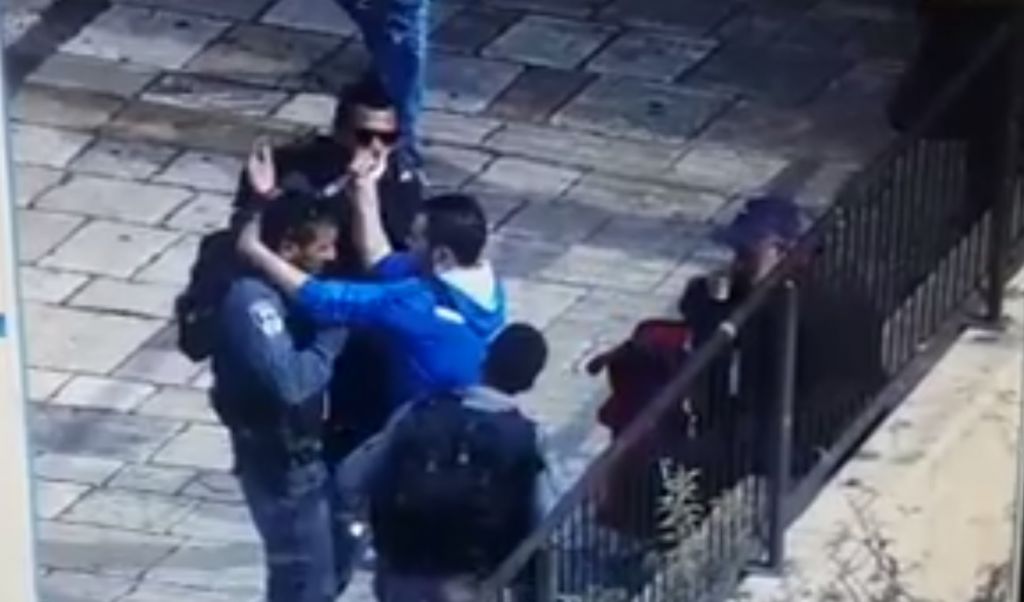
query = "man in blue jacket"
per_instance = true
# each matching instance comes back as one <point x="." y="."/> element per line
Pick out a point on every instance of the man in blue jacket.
<point x="439" y="304"/>
<point x="271" y="368"/>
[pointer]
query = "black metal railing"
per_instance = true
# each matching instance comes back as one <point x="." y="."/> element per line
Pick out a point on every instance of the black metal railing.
<point x="707" y="478"/>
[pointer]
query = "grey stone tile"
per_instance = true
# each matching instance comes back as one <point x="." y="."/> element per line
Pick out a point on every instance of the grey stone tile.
<point x="149" y="591"/>
<point x="728" y="170"/>
<point x="214" y="487"/>
<point x="668" y="238"/>
<point x="128" y="159"/>
<point x="307" y="108"/>
<point x="103" y="394"/>
<point x="42" y="384"/>
<point x="205" y="171"/>
<point x="780" y="74"/>
<point x="31" y="181"/>
<point x="515" y="257"/>
<point x="218" y="522"/>
<point x="459" y="129"/>
<point x="642" y="110"/>
<point x="17" y="22"/>
<point x="68" y="339"/>
<point x="92" y="434"/>
<point x="537" y="93"/>
<point x="48" y="286"/>
<point x="132" y="510"/>
<point x="623" y="196"/>
<point x="67" y="586"/>
<point x="200" y="446"/>
<point x="263" y="55"/>
<point x="88" y="73"/>
<point x="72" y="109"/>
<point x="180" y="403"/>
<point x="539" y="303"/>
<point x="172" y="267"/>
<point x="159" y="366"/>
<point x="101" y="551"/>
<point x="584" y="149"/>
<point x="238" y="566"/>
<point x="141" y="35"/>
<point x="203" y="380"/>
<point x="651" y="55"/>
<point x="152" y="479"/>
<point x="119" y="296"/>
<point x="40" y="231"/>
<point x="75" y="469"/>
<point x="341" y="68"/>
<point x="618" y="269"/>
<point x="751" y="126"/>
<point x="692" y="16"/>
<point x="52" y="497"/>
<point x="48" y="147"/>
<point x="563" y="223"/>
<point x="467" y="84"/>
<point x="110" y="249"/>
<point x="572" y="8"/>
<point x="550" y="42"/>
<point x="120" y="200"/>
<point x="241" y="10"/>
<point x="194" y="129"/>
<point x="448" y="167"/>
<point x="468" y="30"/>
<point x="207" y="94"/>
<point x="324" y="16"/>
<point x="537" y="179"/>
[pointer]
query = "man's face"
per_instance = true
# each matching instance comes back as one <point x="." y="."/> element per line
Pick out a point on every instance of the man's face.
<point x="757" y="260"/>
<point x="373" y="129"/>
<point x="317" y="253"/>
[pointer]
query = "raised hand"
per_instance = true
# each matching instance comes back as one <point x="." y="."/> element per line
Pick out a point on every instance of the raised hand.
<point x="368" y="166"/>
<point x="261" y="170"/>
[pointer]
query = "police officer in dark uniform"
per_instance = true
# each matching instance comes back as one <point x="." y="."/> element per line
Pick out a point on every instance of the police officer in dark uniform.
<point x="365" y="123"/>
<point x="271" y="371"/>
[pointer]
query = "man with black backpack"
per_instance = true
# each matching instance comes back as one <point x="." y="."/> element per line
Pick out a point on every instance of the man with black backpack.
<point x="271" y="367"/>
<point x="453" y="482"/>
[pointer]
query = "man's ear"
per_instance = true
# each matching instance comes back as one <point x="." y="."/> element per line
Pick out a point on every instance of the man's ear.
<point x="442" y="257"/>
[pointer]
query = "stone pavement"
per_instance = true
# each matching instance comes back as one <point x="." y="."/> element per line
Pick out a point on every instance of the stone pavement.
<point x="604" y="136"/>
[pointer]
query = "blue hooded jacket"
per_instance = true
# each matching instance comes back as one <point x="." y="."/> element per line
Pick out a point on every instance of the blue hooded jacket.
<point x="440" y="326"/>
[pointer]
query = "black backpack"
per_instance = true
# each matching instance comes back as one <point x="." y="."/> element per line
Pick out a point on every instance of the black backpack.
<point x="195" y="309"/>
<point x="456" y="493"/>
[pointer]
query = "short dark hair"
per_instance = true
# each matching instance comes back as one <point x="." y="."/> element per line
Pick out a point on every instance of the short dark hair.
<point x="515" y="359"/>
<point x="368" y="92"/>
<point x="294" y="218"/>
<point x="457" y="222"/>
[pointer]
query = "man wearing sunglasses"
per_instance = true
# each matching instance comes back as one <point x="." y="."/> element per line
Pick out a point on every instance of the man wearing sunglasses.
<point x="365" y="128"/>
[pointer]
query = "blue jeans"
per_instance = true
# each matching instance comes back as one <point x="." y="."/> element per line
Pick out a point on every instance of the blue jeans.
<point x="395" y="34"/>
<point x="310" y="552"/>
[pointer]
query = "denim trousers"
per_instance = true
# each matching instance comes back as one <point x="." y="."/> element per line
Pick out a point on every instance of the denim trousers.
<point x="395" y="34"/>
<point x="309" y="549"/>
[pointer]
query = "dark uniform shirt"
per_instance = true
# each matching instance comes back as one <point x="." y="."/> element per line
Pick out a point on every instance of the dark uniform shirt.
<point x="271" y="371"/>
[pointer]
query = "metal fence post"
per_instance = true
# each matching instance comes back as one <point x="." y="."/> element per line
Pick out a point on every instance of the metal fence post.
<point x="1006" y="143"/>
<point x="782" y="427"/>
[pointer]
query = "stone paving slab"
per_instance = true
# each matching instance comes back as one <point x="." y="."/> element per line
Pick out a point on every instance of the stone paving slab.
<point x="603" y="137"/>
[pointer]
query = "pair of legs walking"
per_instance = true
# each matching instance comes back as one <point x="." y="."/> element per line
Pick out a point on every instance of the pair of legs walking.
<point x="395" y="34"/>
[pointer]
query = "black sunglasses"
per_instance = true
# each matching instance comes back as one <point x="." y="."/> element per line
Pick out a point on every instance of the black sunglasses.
<point x="366" y="136"/>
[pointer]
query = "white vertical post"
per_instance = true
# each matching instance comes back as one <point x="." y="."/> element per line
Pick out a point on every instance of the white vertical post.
<point x="17" y="521"/>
